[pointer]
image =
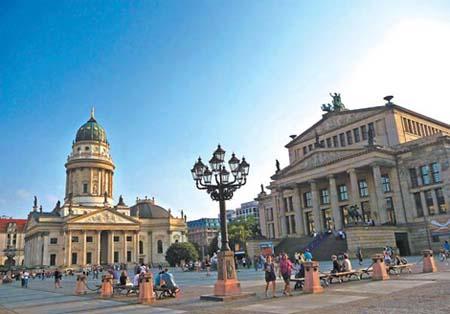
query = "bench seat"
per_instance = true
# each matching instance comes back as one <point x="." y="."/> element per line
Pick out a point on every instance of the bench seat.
<point x="398" y="269"/>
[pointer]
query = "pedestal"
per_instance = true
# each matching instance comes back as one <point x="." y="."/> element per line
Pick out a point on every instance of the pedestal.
<point x="107" y="288"/>
<point x="227" y="283"/>
<point x="428" y="262"/>
<point x="146" y="289"/>
<point x="379" y="268"/>
<point x="312" y="278"/>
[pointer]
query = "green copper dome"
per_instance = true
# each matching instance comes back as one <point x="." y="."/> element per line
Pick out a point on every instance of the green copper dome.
<point x="91" y="131"/>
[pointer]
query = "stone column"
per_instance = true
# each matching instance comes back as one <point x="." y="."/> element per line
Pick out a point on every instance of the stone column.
<point x="136" y="247"/>
<point x="283" y="231"/>
<point x="400" y="213"/>
<point x="69" y="248"/>
<point x="334" y="202"/>
<point x="125" y="247"/>
<point x="297" y="200"/>
<point x="111" y="247"/>
<point x="354" y="188"/>
<point x="276" y="214"/>
<point x="380" y="201"/>
<point x="83" y="239"/>
<point x="99" y="246"/>
<point x="45" y="257"/>
<point x="318" y="225"/>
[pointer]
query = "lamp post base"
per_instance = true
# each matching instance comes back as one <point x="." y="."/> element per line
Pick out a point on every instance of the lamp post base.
<point x="227" y="283"/>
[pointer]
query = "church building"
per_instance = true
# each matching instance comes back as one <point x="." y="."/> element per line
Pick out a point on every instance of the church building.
<point x="89" y="228"/>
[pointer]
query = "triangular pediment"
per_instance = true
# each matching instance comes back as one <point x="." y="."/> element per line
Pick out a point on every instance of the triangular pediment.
<point x="335" y="120"/>
<point x="319" y="158"/>
<point x="104" y="216"/>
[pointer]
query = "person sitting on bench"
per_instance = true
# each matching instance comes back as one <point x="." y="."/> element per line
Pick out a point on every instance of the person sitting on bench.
<point x="158" y="279"/>
<point x="398" y="260"/>
<point x="346" y="265"/>
<point x="169" y="281"/>
<point x="336" y="266"/>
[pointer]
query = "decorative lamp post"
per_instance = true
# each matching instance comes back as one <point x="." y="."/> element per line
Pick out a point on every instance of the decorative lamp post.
<point x="220" y="184"/>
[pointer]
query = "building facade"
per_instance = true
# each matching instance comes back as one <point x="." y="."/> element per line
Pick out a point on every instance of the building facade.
<point x="248" y="209"/>
<point x="202" y="231"/>
<point x="89" y="227"/>
<point x="12" y="234"/>
<point x="386" y="167"/>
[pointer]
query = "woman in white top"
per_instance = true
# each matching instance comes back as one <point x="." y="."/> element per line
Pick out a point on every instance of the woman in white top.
<point x="346" y="265"/>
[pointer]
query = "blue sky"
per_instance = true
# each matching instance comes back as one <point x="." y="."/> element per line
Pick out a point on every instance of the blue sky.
<point x="171" y="79"/>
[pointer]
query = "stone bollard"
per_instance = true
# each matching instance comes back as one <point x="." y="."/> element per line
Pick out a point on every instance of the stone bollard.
<point x="428" y="262"/>
<point x="312" y="278"/>
<point x="379" y="268"/>
<point x="146" y="289"/>
<point x="107" y="288"/>
<point x="80" y="287"/>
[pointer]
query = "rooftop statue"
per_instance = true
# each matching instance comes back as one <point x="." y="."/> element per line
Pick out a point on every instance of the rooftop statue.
<point x="336" y="104"/>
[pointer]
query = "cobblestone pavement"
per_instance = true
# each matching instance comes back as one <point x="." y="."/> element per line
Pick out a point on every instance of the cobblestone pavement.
<point x="407" y="293"/>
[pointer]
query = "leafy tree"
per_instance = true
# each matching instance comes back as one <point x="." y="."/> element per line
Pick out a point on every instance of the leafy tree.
<point x="241" y="230"/>
<point x="181" y="251"/>
<point x="213" y="246"/>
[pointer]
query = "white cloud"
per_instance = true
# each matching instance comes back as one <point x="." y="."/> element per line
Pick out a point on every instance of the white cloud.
<point x="24" y="195"/>
<point x="411" y="62"/>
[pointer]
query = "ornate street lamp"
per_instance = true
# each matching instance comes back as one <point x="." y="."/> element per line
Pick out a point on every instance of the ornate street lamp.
<point x="220" y="184"/>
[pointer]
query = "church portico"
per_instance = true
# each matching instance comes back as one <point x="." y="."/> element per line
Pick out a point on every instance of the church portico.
<point x="88" y="229"/>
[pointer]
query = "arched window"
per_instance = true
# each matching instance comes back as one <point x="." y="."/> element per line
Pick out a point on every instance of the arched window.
<point x="160" y="247"/>
<point x="141" y="247"/>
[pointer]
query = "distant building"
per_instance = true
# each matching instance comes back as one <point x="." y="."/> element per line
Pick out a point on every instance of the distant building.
<point x="231" y="215"/>
<point x="248" y="209"/>
<point x="202" y="231"/>
<point x="12" y="238"/>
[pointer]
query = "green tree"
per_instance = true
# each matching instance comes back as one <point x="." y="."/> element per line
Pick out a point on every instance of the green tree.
<point x="181" y="251"/>
<point x="241" y="230"/>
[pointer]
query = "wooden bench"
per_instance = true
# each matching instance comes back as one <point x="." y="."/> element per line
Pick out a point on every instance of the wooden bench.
<point x="125" y="289"/>
<point x="162" y="293"/>
<point x="299" y="282"/>
<point x="398" y="269"/>
<point x="345" y="274"/>
<point x="365" y="272"/>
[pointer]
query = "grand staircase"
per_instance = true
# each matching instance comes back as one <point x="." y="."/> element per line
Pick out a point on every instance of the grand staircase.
<point x="321" y="247"/>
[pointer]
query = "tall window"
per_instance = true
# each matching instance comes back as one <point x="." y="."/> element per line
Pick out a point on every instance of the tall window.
<point x="290" y="203"/>
<point x="436" y="172"/>
<point x="88" y="257"/>
<point x="116" y="256"/>
<point x="442" y="207"/>
<point x="425" y="174"/>
<point x="363" y="188"/>
<point x="293" y="227"/>
<point x="128" y="256"/>
<point x="53" y="240"/>
<point x="85" y="187"/>
<point x="371" y="128"/>
<point x="343" y="193"/>
<point x="342" y="139"/>
<point x="356" y="135"/>
<point x="390" y="210"/>
<point x="52" y="259"/>
<point x="288" y="228"/>
<point x="307" y="197"/>
<point x="75" y="239"/>
<point x="429" y="201"/>
<point x="386" y="183"/>
<point x="74" y="258"/>
<point x="159" y="247"/>
<point x="364" y="132"/>
<point x="324" y="197"/>
<point x="141" y="247"/>
<point x="418" y="203"/>
<point x="310" y="147"/>
<point x="413" y="176"/>
<point x="305" y="150"/>
<point x="329" y="142"/>
<point x="335" y="141"/>
<point x="349" y="137"/>
<point x="366" y="212"/>
<point x="89" y="239"/>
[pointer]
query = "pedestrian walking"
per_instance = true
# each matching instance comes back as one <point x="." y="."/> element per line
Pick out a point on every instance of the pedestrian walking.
<point x="270" y="277"/>
<point x="359" y="255"/>
<point x="286" y="271"/>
